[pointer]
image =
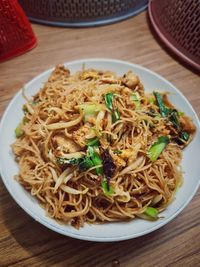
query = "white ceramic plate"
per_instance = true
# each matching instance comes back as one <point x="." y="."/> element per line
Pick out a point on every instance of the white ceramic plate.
<point x="109" y="231"/>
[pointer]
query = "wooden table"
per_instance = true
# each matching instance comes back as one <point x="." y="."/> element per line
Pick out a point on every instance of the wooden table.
<point x="24" y="242"/>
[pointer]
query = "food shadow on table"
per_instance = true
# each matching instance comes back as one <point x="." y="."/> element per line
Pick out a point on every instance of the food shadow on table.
<point x="41" y="245"/>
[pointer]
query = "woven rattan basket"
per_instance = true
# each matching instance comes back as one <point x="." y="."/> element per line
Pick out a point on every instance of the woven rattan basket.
<point x="81" y="13"/>
<point x="177" y="22"/>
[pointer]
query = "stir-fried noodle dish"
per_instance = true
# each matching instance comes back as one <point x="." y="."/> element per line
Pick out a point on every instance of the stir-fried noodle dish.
<point x="93" y="147"/>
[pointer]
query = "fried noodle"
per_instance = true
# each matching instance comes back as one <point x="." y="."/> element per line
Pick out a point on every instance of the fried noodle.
<point x="55" y="126"/>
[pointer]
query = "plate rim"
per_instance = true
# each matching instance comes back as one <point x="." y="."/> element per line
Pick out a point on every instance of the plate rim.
<point x="81" y="236"/>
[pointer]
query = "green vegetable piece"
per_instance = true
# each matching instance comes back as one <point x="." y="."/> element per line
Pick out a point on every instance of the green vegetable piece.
<point x="93" y="142"/>
<point x="173" y="116"/>
<point x="158" y="116"/>
<point x="152" y="212"/>
<point x="85" y="164"/>
<point x="89" y="110"/>
<point x="24" y="108"/>
<point x="117" y="152"/>
<point x="72" y="161"/>
<point x="115" y="115"/>
<point x="107" y="189"/>
<point x="25" y="120"/>
<point x="181" y="113"/>
<point x="184" y="136"/>
<point x="109" y="100"/>
<point x="34" y="103"/>
<point x="109" y="103"/>
<point x="162" y="107"/>
<point x="18" y="131"/>
<point x="96" y="160"/>
<point x="90" y="151"/>
<point x="136" y="99"/>
<point x="152" y="100"/>
<point x="157" y="148"/>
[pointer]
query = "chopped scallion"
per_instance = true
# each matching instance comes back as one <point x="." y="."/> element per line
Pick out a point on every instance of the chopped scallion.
<point x="160" y="103"/>
<point x="72" y="161"/>
<point x="136" y="99"/>
<point x="93" y="142"/>
<point x="181" y="113"/>
<point x="173" y="116"/>
<point x="107" y="189"/>
<point x="184" y="136"/>
<point x="89" y="110"/>
<point x="109" y="100"/>
<point x="117" y="152"/>
<point x="152" y="212"/>
<point x="18" y="131"/>
<point x="157" y="148"/>
<point x="96" y="160"/>
<point x="115" y="115"/>
<point x="152" y="100"/>
<point x="85" y="164"/>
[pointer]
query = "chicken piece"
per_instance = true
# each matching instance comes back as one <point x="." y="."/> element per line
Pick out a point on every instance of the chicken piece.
<point x="165" y="132"/>
<point x="104" y="141"/>
<point x="187" y="124"/>
<point x="59" y="73"/>
<point x="126" y="153"/>
<point x="119" y="162"/>
<point x="89" y="74"/>
<point x="130" y="80"/>
<point x="91" y="120"/>
<point x="79" y="136"/>
<point x="130" y="153"/>
<point x="65" y="144"/>
<point x="109" y="80"/>
<point x="126" y="91"/>
<point x="140" y="89"/>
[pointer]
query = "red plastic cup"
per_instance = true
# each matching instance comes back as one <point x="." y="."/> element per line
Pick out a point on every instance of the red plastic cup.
<point x="16" y="34"/>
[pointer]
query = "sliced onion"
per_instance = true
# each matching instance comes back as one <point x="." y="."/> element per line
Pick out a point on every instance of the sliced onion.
<point x="76" y="155"/>
<point x="73" y="191"/>
<point x="121" y="195"/>
<point x="138" y="162"/>
<point x="54" y="174"/>
<point x="156" y="199"/>
<point x="57" y="110"/>
<point x="30" y="110"/>
<point x="59" y="180"/>
<point x="61" y="125"/>
<point x="99" y="118"/>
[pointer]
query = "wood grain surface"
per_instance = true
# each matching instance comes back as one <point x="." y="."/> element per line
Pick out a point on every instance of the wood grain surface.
<point x="23" y="241"/>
